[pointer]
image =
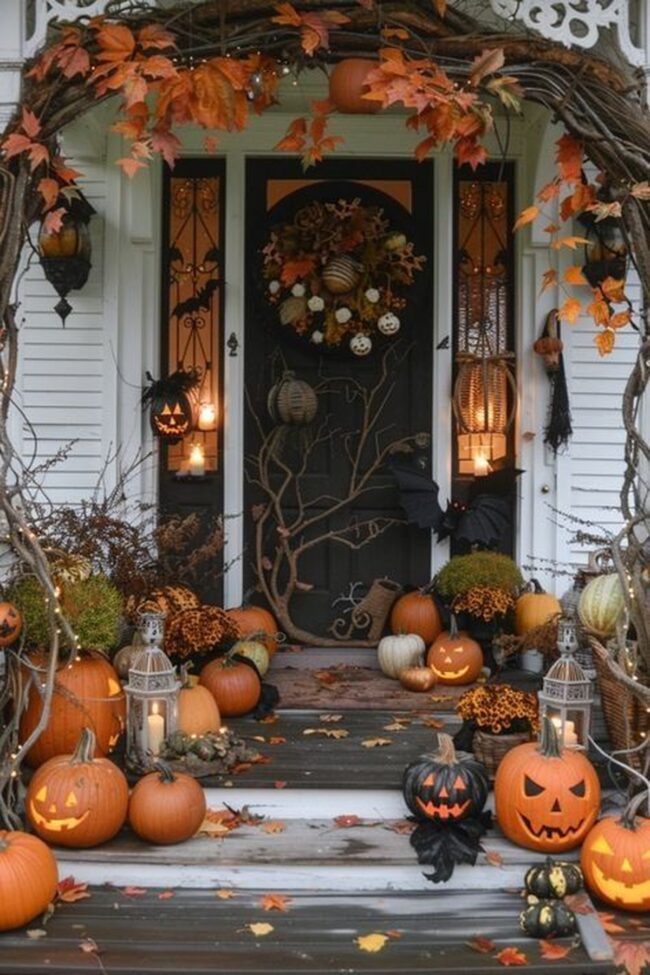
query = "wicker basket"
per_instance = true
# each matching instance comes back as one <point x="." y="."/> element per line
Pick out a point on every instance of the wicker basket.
<point x="626" y="718"/>
<point x="490" y="749"/>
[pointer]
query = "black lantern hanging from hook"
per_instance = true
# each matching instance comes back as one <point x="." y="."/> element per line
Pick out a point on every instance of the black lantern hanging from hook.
<point x="65" y="253"/>
<point x="605" y="250"/>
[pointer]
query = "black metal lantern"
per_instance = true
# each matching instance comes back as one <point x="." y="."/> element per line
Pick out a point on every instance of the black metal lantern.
<point x="65" y="254"/>
<point x="606" y="250"/>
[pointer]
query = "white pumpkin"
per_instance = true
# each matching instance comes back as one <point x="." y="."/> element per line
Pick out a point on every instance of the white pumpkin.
<point x="600" y="604"/>
<point x="395" y="653"/>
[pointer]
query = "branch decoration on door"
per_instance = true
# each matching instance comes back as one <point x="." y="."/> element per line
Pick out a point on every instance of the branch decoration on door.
<point x="337" y="274"/>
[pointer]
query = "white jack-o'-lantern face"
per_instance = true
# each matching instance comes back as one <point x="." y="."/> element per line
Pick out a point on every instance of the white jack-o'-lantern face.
<point x="360" y="344"/>
<point x="389" y="324"/>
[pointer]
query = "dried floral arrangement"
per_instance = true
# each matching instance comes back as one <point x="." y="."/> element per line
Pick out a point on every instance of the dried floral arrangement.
<point x="542" y="638"/>
<point x="337" y="272"/>
<point x="500" y="709"/>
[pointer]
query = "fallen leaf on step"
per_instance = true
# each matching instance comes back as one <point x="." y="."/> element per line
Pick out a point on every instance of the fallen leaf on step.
<point x="327" y="732"/>
<point x="493" y="858"/>
<point x="579" y="903"/>
<point x="372" y="942"/>
<point x="134" y="891"/>
<point x="269" y="719"/>
<point x="483" y="945"/>
<point x="69" y="890"/>
<point x="224" y="893"/>
<point x="279" y="784"/>
<point x="166" y="895"/>
<point x="376" y="742"/>
<point x="36" y="933"/>
<point x="439" y="698"/>
<point x="553" y="951"/>
<point x="258" y="738"/>
<point x="404" y="826"/>
<point x="275" y="902"/>
<point x="90" y="947"/>
<point x="277" y="740"/>
<point x="325" y="677"/>
<point x="637" y="922"/>
<point x="511" y="957"/>
<point x="275" y="826"/>
<point x="394" y="935"/>
<point x="261" y="928"/>
<point x="435" y="723"/>
<point x="329" y="718"/>
<point x="395" y="726"/>
<point x="609" y="924"/>
<point x="633" y="956"/>
<point x="350" y="820"/>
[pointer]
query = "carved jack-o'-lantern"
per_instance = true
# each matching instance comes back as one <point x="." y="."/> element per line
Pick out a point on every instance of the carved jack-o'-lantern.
<point x="546" y="799"/>
<point x="361" y="344"/>
<point x="454" y="657"/>
<point x="171" y="411"/>
<point x="445" y="786"/>
<point x="11" y="623"/>
<point x="615" y="860"/>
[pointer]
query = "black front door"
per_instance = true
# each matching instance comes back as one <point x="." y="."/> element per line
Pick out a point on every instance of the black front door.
<point x="382" y="397"/>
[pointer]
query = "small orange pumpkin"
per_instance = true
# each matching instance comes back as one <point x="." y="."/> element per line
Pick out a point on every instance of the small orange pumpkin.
<point x="197" y="712"/>
<point x="11" y="623"/>
<point x="166" y="806"/>
<point x="28" y="878"/>
<point x="615" y="860"/>
<point x="534" y="608"/>
<point x="455" y="658"/>
<point x="77" y="800"/>
<point x="235" y="686"/>
<point x="253" y="621"/>
<point x="347" y="86"/>
<point x="416" y="612"/>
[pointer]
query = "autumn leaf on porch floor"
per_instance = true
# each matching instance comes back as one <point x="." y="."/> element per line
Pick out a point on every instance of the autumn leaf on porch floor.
<point x="69" y="891"/>
<point x="552" y="951"/>
<point x="133" y="891"/>
<point x="327" y="732"/>
<point x="633" y="956"/>
<point x="34" y="934"/>
<point x="275" y="902"/>
<point x="269" y="718"/>
<point x="345" y="821"/>
<point x="395" y="726"/>
<point x="372" y="942"/>
<point x="329" y="718"/>
<point x="166" y="895"/>
<point x="609" y="924"/>
<point x="277" y="740"/>
<point x="279" y="784"/>
<point x="260" y="928"/>
<point x="225" y="894"/>
<point x="484" y="946"/>
<point x="511" y="957"/>
<point x="494" y="858"/>
<point x="401" y="826"/>
<point x="376" y="742"/>
<point x="434" y="723"/>
<point x="275" y="826"/>
<point x="579" y="903"/>
<point x="326" y="677"/>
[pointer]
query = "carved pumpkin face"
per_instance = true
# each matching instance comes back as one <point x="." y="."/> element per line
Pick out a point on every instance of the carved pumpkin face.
<point x="11" y="623"/>
<point x="455" y="658"/>
<point x="445" y="787"/>
<point x="616" y="862"/>
<point x="51" y="817"/>
<point x="171" y="417"/>
<point x="546" y="799"/>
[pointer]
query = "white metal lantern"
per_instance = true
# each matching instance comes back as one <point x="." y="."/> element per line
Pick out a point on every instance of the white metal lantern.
<point x="151" y="694"/>
<point x="566" y="696"/>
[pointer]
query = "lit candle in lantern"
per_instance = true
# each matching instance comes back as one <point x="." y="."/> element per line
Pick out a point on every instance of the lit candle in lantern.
<point x="481" y="465"/>
<point x="207" y="416"/>
<point x="197" y="460"/>
<point x="569" y="737"/>
<point x="155" y="730"/>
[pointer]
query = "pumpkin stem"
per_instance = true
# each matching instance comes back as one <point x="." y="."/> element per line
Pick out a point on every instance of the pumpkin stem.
<point x="85" y="750"/>
<point x="453" y="627"/>
<point x="549" y="743"/>
<point x="446" y="752"/>
<point x="187" y="679"/>
<point x="534" y="586"/>
<point x="628" y="818"/>
<point x="165" y="772"/>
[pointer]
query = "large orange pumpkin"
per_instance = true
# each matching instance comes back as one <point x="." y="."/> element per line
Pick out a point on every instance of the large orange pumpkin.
<point x="615" y="860"/>
<point x="197" y="710"/>
<point x="348" y="84"/>
<point x="256" y="621"/>
<point x="87" y="693"/>
<point x="534" y="608"/>
<point x="11" y="623"/>
<point x="166" y="806"/>
<point x="416" y="612"/>
<point x="235" y="685"/>
<point x="78" y="800"/>
<point x="455" y="658"/>
<point x="28" y="878"/>
<point x="546" y="799"/>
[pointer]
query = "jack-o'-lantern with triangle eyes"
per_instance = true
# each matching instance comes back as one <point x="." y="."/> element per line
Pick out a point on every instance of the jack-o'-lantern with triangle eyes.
<point x="615" y="859"/>
<point x="546" y="798"/>
<point x="171" y="413"/>
<point x="445" y="786"/>
<point x="11" y="623"/>
<point x="454" y="657"/>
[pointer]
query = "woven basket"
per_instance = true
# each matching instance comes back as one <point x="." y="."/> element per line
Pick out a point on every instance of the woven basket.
<point x="490" y="749"/>
<point x="626" y="718"/>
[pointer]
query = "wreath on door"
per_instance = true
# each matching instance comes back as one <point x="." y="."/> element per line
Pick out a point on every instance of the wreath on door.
<point x="337" y="274"/>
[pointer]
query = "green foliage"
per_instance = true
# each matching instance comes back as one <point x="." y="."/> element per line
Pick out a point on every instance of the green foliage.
<point x="462" y="572"/>
<point x="93" y="608"/>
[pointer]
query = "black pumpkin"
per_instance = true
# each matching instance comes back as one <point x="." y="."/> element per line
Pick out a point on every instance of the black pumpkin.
<point x="554" y="879"/>
<point x="171" y="414"/>
<point x="445" y="786"/>
<point x="543" y="918"/>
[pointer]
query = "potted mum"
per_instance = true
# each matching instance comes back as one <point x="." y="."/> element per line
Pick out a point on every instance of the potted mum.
<point x="496" y="717"/>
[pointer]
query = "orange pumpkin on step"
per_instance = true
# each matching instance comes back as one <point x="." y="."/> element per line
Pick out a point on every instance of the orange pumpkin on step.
<point x="534" y="608"/>
<point x="197" y="712"/>
<point x="348" y="84"/>
<point x="28" y="878"/>
<point x="255" y="621"/>
<point x="166" y="806"/>
<point x="455" y="658"/>
<point x="416" y="612"/>
<point x="235" y="686"/>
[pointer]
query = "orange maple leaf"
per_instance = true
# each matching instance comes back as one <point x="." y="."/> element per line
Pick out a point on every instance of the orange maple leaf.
<point x="605" y="342"/>
<point x="553" y="951"/>
<point x="485" y="63"/>
<point x="293" y="271"/>
<point x="613" y="289"/>
<point x="69" y="890"/>
<point x="528" y="215"/>
<point x="599" y="311"/>
<point x="574" y="275"/>
<point x="511" y="957"/>
<point x="116" y="42"/>
<point x="130" y="166"/>
<point x="471" y="152"/>
<point x="632" y="956"/>
<point x="569" y="158"/>
<point x="570" y="310"/>
<point x="155" y="36"/>
<point x="53" y="221"/>
<point x="484" y="946"/>
<point x="49" y="190"/>
<point x="275" y="902"/>
<point x="549" y="278"/>
<point x="549" y="191"/>
<point x="274" y="826"/>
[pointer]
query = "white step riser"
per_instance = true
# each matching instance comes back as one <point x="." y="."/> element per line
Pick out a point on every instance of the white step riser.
<point x="307" y="803"/>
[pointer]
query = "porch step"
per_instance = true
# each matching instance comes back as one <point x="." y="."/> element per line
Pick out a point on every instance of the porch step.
<point x="304" y="854"/>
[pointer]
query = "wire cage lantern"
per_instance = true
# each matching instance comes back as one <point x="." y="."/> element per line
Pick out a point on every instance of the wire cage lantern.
<point x="484" y="403"/>
<point x="152" y="696"/>
<point x="567" y="694"/>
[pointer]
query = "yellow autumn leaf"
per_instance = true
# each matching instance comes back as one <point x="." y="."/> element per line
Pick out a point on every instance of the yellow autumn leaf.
<point x="605" y="341"/>
<point x="571" y="242"/>
<point x="570" y="310"/>
<point x="376" y="742"/>
<point x="549" y="278"/>
<point x="276" y="826"/>
<point x="574" y="275"/>
<point x="261" y="928"/>
<point x="641" y="191"/>
<point x="372" y="942"/>
<point x="224" y="894"/>
<point x="526" y="216"/>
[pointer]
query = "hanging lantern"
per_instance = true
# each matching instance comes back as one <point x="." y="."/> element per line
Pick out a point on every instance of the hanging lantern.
<point x="566" y="697"/>
<point x="606" y="250"/>
<point x="65" y="254"/>
<point x="207" y="417"/>
<point x="171" y="413"/>
<point x="484" y="406"/>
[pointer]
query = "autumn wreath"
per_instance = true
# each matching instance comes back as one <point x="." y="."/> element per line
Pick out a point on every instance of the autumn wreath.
<point x="337" y="272"/>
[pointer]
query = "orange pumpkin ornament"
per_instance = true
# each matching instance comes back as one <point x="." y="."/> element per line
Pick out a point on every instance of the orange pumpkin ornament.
<point x="455" y="658"/>
<point x="546" y="799"/>
<point x="416" y="612"/>
<point x="347" y="86"/>
<point x="87" y="693"/>
<point x="255" y="621"/>
<point x="417" y="679"/>
<point x="197" y="712"/>
<point x="534" y="608"/>
<point x="166" y="806"/>
<point x="615" y="860"/>
<point x="235" y="686"/>
<point x="11" y="624"/>
<point x="78" y="800"/>
<point x="28" y="878"/>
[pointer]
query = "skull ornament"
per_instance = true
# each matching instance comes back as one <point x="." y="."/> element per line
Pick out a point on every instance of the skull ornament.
<point x="361" y="344"/>
<point x="389" y="324"/>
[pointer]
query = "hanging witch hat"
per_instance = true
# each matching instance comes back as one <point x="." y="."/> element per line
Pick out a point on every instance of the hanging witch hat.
<point x="549" y="345"/>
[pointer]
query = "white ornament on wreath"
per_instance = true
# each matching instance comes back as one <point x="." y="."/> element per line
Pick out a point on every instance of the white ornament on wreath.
<point x="274" y="287"/>
<point x="372" y="296"/>
<point x="317" y="337"/>
<point x="342" y="315"/>
<point x="361" y="344"/>
<point x="389" y="323"/>
<point x="315" y="303"/>
<point x="298" y="290"/>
